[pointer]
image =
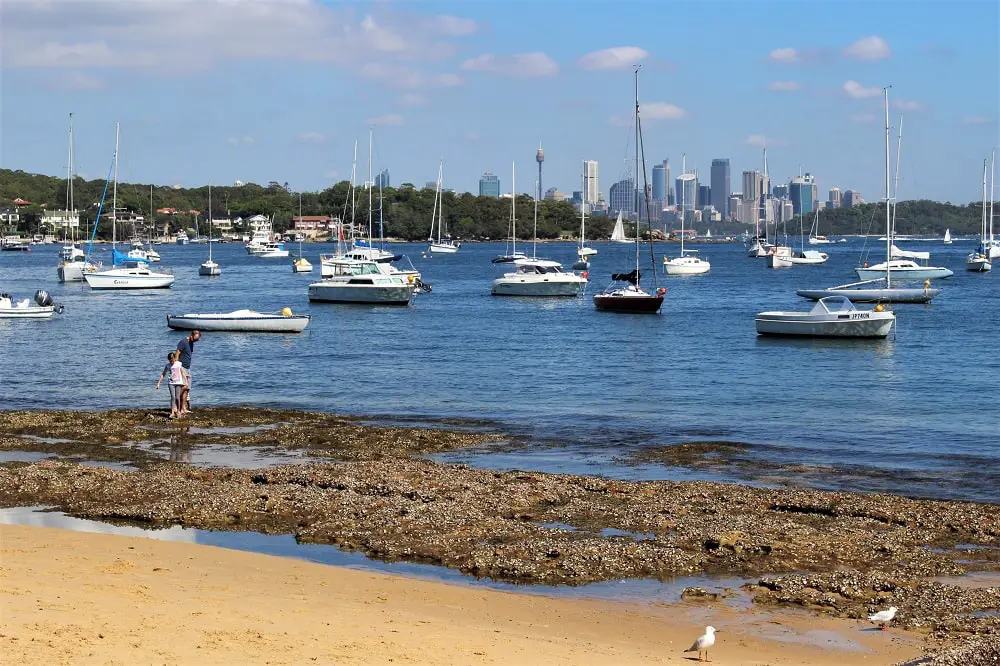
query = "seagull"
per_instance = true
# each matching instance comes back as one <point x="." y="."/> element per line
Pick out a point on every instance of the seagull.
<point x="883" y="617"/>
<point x="703" y="643"/>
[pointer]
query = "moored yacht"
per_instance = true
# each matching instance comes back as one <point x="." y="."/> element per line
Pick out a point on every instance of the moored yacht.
<point x="362" y="282"/>
<point x="539" y="277"/>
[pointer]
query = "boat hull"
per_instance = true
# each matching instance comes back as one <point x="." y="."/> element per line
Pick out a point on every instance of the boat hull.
<point x="209" y="270"/>
<point x="118" y="280"/>
<point x="361" y="294"/>
<point x="551" y="286"/>
<point x="778" y="261"/>
<point x="639" y="304"/>
<point x="852" y="325"/>
<point x="893" y="295"/>
<point x="981" y="265"/>
<point x="256" y="323"/>
<point x="33" y="312"/>
<point x="675" y="267"/>
<point x="443" y="248"/>
<point x="71" y="272"/>
<point x="929" y="273"/>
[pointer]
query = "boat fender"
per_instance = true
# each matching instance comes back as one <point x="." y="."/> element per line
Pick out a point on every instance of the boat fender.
<point x="866" y="264"/>
<point x="879" y="308"/>
<point x="661" y="291"/>
<point x="927" y="284"/>
<point x="411" y="278"/>
<point x="286" y="311"/>
<point x="585" y="274"/>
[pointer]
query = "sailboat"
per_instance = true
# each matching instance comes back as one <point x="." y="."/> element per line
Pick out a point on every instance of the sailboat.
<point x="991" y="245"/>
<point x="758" y="245"/>
<point x="538" y="277"/>
<point x="904" y="263"/>
<point x="126" y="273"/>
<point x="513" y="255"/>
<point x="210" y="268"/>
<point x="74" y="262"/>
<point x="947" y="237"/>
<point x="443" y="244"/>
<point x="301" y="264"/>
<point x="618" y="233"/>
<point x="866" y="291"/>
<point x="625" y="293"/>
<point x="978" y="261"/>
<point x="689" y="263"/>
<point x="814" y="237"/>
<point x="804" y="256"/>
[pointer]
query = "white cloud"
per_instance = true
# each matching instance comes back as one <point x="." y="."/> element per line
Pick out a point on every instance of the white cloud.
<point x="868" y="48"/>
<point x="858" y="91"/>
<point x="387" y="120"/>
<point x="518" y="65"/>
<point x="783" y="86"/>
<point x="907" y="105"/>
<point x="862" y="117"/>
<point x="785" y="55"/>
<point x="313" y="138"/>
<point x="243" y="140"/>
<point x="651" y="111"/>
<point x="977" y="120"/>
<point x="761" y="141"/>
<point x="617" y="57"/>
<point x="182" y="35"/>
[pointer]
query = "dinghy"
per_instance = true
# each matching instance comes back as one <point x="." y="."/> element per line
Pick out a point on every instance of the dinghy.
<point x="43" y="308"/>
<point x="241" y="321"/>
<point x="831" y="317"/>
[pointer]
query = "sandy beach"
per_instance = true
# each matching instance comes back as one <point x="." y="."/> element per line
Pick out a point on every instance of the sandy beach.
<point x="70" y="597"/>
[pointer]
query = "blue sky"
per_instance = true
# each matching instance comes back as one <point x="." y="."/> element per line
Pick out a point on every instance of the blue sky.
<point x="261" y="90"/>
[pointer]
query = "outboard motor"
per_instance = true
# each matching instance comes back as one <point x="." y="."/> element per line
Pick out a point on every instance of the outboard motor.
<point x="42" y="298"/>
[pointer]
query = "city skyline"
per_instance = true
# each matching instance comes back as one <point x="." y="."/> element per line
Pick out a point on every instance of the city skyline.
<point x="274" y="90"/>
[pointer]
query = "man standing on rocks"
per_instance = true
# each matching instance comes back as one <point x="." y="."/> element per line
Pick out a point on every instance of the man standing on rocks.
<point x="186" y="349"/>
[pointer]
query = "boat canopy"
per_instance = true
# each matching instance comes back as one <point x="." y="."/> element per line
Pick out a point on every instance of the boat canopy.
<point x="832" y="305"/>
<point x="632" y="277"/>
<point x="125" y="259"/>
<point x="907" y="254"/>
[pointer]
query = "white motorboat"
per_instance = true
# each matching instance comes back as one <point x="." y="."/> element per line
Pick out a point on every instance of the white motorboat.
<point x="363" y="282"/>
<point x="152" y="255"/>
<point x="689" y="263"/>
<point x="42" y="309"/>
<point x="539" y="277"/>
<point x="819" y="240"/>
<point x="779" y="256"/>
<point x="269" y="250"/>
<point x="75" y="269"/>
<point x="182" y="238"/>
<point x="831" y="317"/>
<point x="241" y="321"/>
<point x="618" y="233"/>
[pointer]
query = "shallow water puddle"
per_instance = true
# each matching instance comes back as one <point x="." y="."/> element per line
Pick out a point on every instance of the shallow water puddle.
<point x="24" y="456"/>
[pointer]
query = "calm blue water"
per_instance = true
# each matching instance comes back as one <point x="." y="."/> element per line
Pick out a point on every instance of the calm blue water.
<point x="916" y="415"/>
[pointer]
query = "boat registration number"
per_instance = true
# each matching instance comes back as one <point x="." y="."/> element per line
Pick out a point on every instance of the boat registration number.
<point x="860" y="315"/>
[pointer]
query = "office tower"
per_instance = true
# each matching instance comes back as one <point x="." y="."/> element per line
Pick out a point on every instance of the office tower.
<point x="802" y="192"/>
<point x="621" y="197"/>
<point x="721" y="186"/>
<point x="780" y="191"/>
<point x="382" y="179"/>
<point x="489" y="185"/>
<point x="666" y="178"/>
<point x="539" y="157"/>
<point x="704" y="196"/>
<point x="852" y="198"/>
<point x="591" y="188"/>
<point x="834" y="197"/>
<point x="753" y="185"/>
<point x="687" y="191"/>
<point x="659" y="182"/>
<point x="733" y="206"/>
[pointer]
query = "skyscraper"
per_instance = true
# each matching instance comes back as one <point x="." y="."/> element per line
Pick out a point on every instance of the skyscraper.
<point x="382" y="179"/>
<point x="666" y="177"/>
<point x="687" y="192"/>
<point x="802" y="191"/>
<point x="539" y="157"/>
<point x="591" y="188"/>
<point x="659" y="182"/>
<point x="852" y="198"/>
<point x="489" y="185"/>
<point x="721" y="186"/>
<point x="621" y="197"/>
<point x="834" y="197"/>
<point x="753" y="185"/>
<point x="704" y="196"/>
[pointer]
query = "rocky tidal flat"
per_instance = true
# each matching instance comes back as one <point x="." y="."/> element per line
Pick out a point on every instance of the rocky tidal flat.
<point x="371" y="488"/>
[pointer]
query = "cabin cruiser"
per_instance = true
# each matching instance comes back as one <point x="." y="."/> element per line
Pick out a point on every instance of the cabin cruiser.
<point x="357" y="281"/>
<point x="539" y="277"/>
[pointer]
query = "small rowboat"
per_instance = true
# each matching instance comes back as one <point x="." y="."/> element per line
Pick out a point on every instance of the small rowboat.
<point x="241" y="321"/>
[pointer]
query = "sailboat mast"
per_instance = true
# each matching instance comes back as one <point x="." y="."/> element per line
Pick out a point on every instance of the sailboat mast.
<point x="441" y="201"/>
<point x="513" y="212"/>
<point x="114" y="194"/>
<point x="983" y="216"/>
<point x="993" y="159"/>
<point x="69" y="181"/>
<point x="895" y="178"/>
<point x="371" y="186"/>
<point x="888" y="219"/>
<point x="683" y="197"/>
<point x="210" y="220"/>
<point x="583" y="204"/>
<point x="636" y="76"/>
<point x="152" y="218"/>
<point x="300" y="222"/>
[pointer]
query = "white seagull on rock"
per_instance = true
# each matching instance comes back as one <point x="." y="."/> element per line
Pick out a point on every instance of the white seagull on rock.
<point x="884" y="617"/>
<point x="703" y="643"/>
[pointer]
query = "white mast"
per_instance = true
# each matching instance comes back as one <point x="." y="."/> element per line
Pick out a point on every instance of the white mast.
<point x="69" y="189"/>
<point x="371" y="186"/>
<point x="683" y="197"/>
<point x="983" y="216"/>
<point x="300" y="222"/>
<point x="637" y="67"/>
<point x="888" y="199"/>
<point x="895" y="180"/>
<point x="114" y="196"/>
<point x="209" y="220"/>
<point x="440" y="208"/>
<point x="583" y="205"/>
<point x="993" y="158"/>
<point x="513" y="212"/>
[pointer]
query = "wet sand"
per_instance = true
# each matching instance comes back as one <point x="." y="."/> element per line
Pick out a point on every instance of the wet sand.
<point x="77" y="598"/>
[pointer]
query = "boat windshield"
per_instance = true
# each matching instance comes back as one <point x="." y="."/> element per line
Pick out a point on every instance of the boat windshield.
<point x="832" y="305"/>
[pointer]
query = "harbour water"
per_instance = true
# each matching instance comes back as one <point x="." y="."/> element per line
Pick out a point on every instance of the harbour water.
<point x="917" y="415"/>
